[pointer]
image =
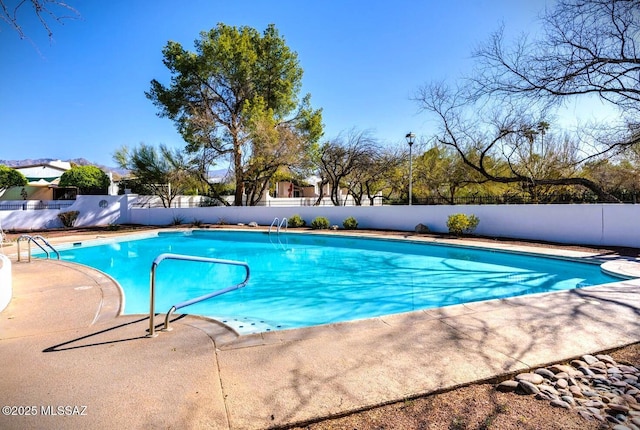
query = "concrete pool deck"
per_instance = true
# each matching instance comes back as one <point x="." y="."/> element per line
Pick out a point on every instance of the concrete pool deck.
<point x="64" y="344"/>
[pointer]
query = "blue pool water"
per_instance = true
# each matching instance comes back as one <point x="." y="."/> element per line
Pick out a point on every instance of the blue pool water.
<point x="300" y="280"/>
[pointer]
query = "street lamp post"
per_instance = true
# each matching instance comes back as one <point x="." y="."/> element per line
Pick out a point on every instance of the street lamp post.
<point x="410" y="137"/>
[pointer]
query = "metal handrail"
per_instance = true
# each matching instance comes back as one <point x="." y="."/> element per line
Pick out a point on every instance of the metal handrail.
<point x="162" y="257"/>
<point x="26" y="237"/>
<point x="286" y="224"/>
<point x="34" y="239"/>
<point x="38" y="237"/>
<point x="274" y="222"/>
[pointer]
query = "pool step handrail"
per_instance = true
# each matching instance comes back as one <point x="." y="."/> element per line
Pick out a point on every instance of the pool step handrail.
<point x="168" y="256"/>
<point x="274" y="222"/>
<point x="43" y="240"/>
<point x="34" y="239"/>
<point x="279" y="224"/>
<point x="284" y="222"/>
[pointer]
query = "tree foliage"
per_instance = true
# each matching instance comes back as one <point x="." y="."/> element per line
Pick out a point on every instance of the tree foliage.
<point x="11" y="178"/>
<point x="88" y="179"/>
<point x="375" y="174"/>
<point x="164" y="172"/>
<point x="225" y="97"/>
<point x="275" y="146"/>
<point x="440" y="172"/>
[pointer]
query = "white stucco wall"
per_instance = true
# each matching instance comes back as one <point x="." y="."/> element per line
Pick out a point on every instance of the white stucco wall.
<point x="93" y="211"/>
<point x="581" y="224"/>
<point x="589" y="224"/>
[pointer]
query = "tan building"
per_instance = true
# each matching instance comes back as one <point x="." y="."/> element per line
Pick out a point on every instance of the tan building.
<point x="42" y="184"/>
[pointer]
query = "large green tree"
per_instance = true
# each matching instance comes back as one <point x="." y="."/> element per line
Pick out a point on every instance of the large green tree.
<point x="88" y="179"/>
<point x="10" y="178"/>
<point x="222" y="94"/>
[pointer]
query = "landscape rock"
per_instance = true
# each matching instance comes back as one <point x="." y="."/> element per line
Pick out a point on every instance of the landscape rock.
<point x="422" y="229"/>
<point x="606" y="358"/>
<point x="528" y="387"/>
<point x="560" y="404"/>
<point x="507" y="386"/>
<point x="545" y="373"/>
<point x="534" y="378"/>
<point x="559" y="368"/>
<point x="589" y="359"/>
<point x="595" y="387"/>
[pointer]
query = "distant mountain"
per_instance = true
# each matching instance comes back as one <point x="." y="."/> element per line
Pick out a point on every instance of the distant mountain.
<point x="78" y="161"/>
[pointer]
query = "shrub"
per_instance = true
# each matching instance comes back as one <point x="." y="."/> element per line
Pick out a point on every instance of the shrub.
<point x="177" y="220"/>
<point x="11" y="178"/>
<point x="68" y="218"/>
<point x="462" y="223"/>
<point x="350" y="223"/>
<point x="88" y="179"/>
<point x="320" y="223"/>
<point x="296" y="221"/>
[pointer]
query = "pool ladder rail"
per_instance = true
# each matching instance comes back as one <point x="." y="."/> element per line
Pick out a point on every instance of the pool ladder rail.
<point x="279" y="226"/>
<point x="276" y="222"/>
<point x="186" y="303"/>
<point x="34" y="239"/>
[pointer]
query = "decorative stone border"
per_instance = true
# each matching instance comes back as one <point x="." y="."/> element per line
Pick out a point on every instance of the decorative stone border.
<point x="596" y="387"/>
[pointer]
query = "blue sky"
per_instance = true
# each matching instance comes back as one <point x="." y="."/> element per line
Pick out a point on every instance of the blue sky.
<point x="82" y="95"/>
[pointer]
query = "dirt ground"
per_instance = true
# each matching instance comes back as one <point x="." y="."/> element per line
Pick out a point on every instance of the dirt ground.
<point x="472" y="407"/>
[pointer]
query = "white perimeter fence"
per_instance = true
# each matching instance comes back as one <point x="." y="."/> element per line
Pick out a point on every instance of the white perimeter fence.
<point x="588" y="224"/>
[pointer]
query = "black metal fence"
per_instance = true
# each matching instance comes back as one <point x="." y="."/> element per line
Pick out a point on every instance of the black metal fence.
<point x="517" y="199"/>
<point x="176" y="204"/>
<point x="33" y="206"/>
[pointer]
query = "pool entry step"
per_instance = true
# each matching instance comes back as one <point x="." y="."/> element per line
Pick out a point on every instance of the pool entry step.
<point x="248" y="325"/>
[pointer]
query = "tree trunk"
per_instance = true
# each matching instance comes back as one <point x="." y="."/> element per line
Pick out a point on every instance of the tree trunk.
<point x="239" y="172"/>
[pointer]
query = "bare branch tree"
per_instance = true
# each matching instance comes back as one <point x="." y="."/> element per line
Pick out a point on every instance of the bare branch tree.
<point x="340" y="158"/>
<point x="497" y="122"/>
<point x="589" y="47"/>
<point x="47" y="12"/>
<point x="500" y="146"/>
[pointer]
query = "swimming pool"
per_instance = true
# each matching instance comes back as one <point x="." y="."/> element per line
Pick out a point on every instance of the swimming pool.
<point x="300" y="280"/>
